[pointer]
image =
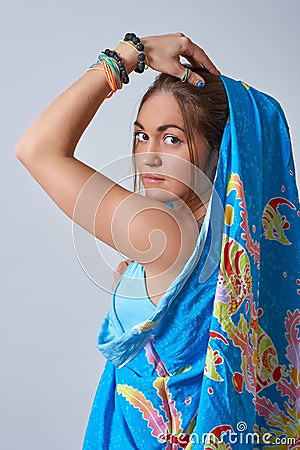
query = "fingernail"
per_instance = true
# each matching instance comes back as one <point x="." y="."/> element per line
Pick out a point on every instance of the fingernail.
<point x="200" y="84"/>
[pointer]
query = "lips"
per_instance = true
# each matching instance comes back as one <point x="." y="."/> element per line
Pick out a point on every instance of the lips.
<point x="151" y="176"/>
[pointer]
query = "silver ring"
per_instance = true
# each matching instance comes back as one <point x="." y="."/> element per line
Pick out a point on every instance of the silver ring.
<point x="185" y="77"/>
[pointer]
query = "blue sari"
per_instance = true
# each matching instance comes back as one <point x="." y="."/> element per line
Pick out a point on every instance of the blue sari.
<point x="217" y="365"/>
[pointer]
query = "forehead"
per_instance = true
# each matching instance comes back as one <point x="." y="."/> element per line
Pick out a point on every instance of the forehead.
<point x="159" y="109"/>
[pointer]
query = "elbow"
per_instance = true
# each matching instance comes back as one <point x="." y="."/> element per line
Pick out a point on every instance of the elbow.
<point x="23" y="149"/>
<point x="18" y="150"/>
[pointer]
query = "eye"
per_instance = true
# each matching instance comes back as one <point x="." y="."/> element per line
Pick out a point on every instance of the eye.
<point x="140" y="136"/>
<point x="172" y="140"/>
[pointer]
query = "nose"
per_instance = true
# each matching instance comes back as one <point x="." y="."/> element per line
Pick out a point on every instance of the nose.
<point x="151" y="158"/>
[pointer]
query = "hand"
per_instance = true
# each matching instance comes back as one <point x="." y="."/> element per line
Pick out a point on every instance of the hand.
<point x="119" y="271"/>
<point x="163" y="53"/>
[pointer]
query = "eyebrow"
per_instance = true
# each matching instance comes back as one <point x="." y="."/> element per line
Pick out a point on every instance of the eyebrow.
<point x="161" y="128"/>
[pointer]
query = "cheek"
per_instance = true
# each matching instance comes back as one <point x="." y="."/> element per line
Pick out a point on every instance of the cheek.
<point x="180" y="171"/>
<point x="137" y="159"/>
<point x="180" y="188"/>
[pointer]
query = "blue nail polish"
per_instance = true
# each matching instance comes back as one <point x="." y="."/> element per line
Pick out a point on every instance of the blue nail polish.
<point x="200" y="84"/>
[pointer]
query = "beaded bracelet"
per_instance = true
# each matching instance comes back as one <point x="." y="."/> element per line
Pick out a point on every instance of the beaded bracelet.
<point x="142" y="60"/>
<point x="113" y="66"/>
<point x="114" y="55"/>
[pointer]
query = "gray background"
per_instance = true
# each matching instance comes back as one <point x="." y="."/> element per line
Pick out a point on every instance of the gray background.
<point x="51" y="307"/>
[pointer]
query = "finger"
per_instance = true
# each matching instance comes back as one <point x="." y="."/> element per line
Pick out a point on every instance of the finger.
<point x="197" y="56"/>
<point x="122" y="267"/>
<point x="193" y="77"/>
<point x="115" y="280"/>
<point x="196" y="79"/>
<point x="117" y="274"/>
<point x="205" y="63"/>
<point x="119" y="271"/>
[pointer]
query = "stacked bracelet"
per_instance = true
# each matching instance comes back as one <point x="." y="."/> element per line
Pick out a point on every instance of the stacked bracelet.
<point x="112" y="72"/>
<point x="113" y="54"/>
<point x="113" y="66"/>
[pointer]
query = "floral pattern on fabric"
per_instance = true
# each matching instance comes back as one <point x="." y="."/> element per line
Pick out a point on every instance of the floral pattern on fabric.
<point x="260" y="367"/>
<point x="218" y="364"/>
<point x="166" y="428"/>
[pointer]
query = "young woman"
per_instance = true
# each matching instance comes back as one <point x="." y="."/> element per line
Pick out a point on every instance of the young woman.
<point x="47" y="149"/>
<point x="187" y="357"/>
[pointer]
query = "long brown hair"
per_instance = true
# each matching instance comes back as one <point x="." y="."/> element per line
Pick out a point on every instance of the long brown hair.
<point x="204" y="112"/>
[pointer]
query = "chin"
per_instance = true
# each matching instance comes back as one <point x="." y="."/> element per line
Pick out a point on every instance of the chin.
<point x="160" y="195"/>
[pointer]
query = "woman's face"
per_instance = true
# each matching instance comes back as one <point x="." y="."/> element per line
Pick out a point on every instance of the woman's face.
<point x="161" y="149"/>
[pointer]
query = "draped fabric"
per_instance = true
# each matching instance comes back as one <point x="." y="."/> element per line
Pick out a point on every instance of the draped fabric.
<point x="217" y="365"/>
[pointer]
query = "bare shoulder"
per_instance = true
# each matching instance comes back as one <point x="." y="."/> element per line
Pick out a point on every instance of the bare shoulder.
<point x="163" y="238"/>
<point x="141" y="228"/>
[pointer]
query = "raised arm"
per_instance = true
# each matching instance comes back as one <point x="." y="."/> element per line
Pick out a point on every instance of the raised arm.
<point x="47" y="151"/>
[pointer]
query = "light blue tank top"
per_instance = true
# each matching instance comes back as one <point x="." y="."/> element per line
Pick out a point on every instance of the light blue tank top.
<point x="130" y="298"/>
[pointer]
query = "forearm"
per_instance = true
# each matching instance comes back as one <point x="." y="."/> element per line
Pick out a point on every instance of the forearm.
<point x="58" y="129"/>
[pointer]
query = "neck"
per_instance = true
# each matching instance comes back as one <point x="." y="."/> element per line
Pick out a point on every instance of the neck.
<point x="200" y="213"/>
